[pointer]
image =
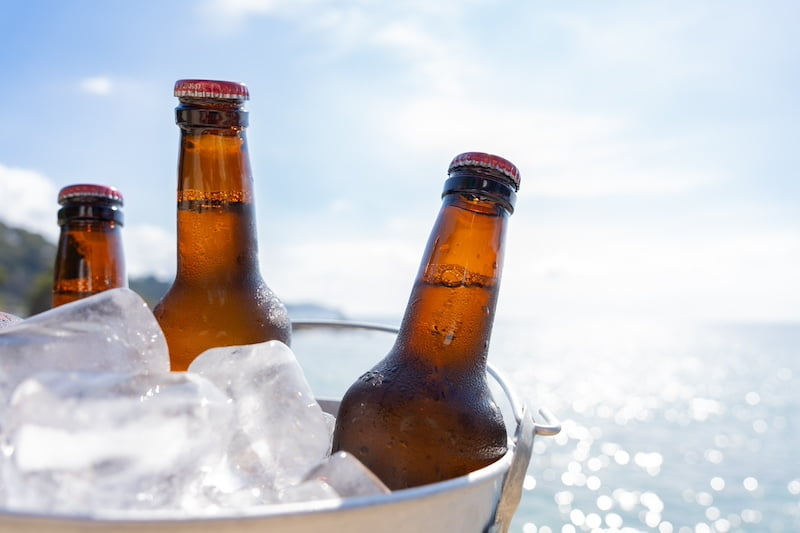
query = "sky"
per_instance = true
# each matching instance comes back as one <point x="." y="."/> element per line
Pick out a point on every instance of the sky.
<point x="657" y="141"/>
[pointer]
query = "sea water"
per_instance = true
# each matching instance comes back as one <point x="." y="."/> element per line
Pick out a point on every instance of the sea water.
<point x="666" y="428"/>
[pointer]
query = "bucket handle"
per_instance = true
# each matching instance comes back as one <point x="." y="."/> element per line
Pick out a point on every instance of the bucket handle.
<point x="527" y="429"/>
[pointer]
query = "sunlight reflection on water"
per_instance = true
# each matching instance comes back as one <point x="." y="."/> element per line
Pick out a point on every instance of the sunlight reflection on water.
<point x="668" y="429"/>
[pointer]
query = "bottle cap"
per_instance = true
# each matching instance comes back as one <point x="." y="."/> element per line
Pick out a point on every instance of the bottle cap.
<point x="229" y="90"/>
<point x="90" y="192"/>
<point x="483" y="160"/>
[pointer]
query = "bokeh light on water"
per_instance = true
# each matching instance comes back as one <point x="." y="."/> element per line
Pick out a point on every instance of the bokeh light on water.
<point x="673" y="429"/>
<point x="669" y="429"/>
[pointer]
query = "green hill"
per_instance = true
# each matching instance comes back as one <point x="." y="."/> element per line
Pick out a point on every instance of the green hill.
<point x="26" y="273"/>
<point x="26" y="278"/>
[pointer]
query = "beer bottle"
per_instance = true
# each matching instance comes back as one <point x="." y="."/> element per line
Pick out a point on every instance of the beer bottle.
<point x="218" y="297"/>
<point x="89" y="257"/>
<point x="425" y="413"/>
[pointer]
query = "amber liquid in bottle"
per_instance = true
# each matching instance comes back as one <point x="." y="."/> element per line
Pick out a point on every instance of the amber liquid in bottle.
<point x="89" y="257"/>
<point x="219" y="297"/>
<point x="425" y="413"/>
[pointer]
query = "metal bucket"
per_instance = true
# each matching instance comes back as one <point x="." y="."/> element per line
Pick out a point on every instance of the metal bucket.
<point x="483" y="501"/>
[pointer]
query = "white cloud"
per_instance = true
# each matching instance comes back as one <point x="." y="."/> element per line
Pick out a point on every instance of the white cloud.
<point x="565" y="152"/>
<point x="99" y="85"/>
<point x="243" y="8"/>
<point x="560" y="153"/>
<point x="149" y="250"/>
<point x="579" y="271"/>
<point x="227" y="16"/>
<point x="358" y="276"/>
<point x="28" y="200"/>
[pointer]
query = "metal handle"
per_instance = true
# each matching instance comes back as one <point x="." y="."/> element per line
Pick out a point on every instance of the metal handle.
<point x="511" y="494"/>
<point x="342" y="324"/>
<point x="553" y="424"/>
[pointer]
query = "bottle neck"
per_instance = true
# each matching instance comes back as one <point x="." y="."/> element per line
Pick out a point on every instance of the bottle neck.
<point x="449" y="317"/>
<point x="97" y="211"/>
<point x="217" y="239"/>
<point x="89" y="259"/>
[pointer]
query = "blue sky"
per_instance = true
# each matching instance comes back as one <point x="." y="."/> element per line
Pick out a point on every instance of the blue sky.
<point x="657" y="140"/>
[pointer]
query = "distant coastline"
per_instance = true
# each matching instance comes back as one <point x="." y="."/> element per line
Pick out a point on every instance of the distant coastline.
<point x="26" y="278"/>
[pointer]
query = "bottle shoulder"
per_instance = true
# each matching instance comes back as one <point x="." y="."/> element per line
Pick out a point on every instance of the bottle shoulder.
<point x="408" y="377"/>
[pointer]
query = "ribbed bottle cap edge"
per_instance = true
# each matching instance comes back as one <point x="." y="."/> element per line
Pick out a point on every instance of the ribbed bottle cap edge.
<point x="490" y="161"/>
<point x="229" y="90"/>
<point x="89" y="190"/>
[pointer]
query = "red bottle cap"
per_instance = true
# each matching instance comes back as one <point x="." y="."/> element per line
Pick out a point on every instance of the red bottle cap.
<point x="494" y="162"/>
<point x="229" y="90"/>
<point x="89" y="191"/>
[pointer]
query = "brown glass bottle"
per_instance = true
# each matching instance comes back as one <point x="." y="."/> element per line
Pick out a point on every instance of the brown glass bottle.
<point x="425" y="413"/>
<point x="90" y="257"/>
<point x="219" y="297"/>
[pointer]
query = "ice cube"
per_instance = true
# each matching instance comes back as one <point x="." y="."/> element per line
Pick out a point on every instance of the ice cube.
<point x="315" y="489"/>
<point x="282" y="431"/>
<point x="81" y="443"/>
<point x="7" y="320"/>
<point x="347" y="476"/>
<point x="112" y="331"/>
